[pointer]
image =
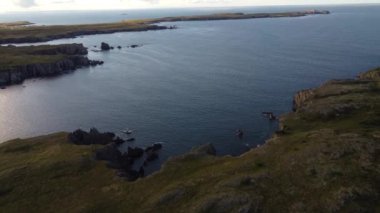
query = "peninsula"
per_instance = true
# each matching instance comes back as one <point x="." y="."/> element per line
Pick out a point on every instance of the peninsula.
<point x="324" y="158"/>
<point x="23" y="33"/>
<point x="20" y="63"/>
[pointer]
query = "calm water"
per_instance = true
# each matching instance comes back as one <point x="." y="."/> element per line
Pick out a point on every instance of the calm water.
<point x="197" y="84"/>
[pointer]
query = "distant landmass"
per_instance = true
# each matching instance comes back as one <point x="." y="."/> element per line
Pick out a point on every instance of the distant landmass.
<point x="18" y="33"/>
<point x="20" y="63"/>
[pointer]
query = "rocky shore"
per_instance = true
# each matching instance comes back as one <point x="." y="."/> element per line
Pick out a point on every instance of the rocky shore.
<point x="123" y="163"/>
<point x="51" y="61"/>
<point x="326" y="159"/>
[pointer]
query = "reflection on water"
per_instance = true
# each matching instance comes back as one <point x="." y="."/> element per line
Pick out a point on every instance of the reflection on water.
<point x="199" y="83"/>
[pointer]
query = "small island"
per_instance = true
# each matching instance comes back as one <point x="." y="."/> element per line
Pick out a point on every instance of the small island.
<point x="324" y="158"/>
<point x="28" y="34"/>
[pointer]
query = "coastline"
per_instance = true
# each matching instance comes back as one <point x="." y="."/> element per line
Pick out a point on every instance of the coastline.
<point x="323" y="158"/>
<point x="20" y="63"/>
<point x="32" y="34"/>
<point x="16" y="66"/>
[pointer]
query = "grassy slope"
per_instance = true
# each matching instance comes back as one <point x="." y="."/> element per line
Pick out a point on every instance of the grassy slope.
<point x="327" y="161"/>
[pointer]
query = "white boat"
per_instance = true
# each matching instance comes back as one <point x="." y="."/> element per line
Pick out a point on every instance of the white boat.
<point x="127" y="131"/>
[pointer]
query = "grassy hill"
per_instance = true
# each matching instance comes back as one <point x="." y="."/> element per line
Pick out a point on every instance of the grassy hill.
<point x="325" y="158"/>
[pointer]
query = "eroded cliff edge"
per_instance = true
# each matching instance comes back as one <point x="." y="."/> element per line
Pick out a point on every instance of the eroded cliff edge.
<point x="325" y="159"/>
<point x="20" y="63"/>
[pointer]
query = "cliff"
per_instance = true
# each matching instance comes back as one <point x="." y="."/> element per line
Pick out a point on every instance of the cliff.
<point x="319" y="163"/>
<point x="20" y="63"/>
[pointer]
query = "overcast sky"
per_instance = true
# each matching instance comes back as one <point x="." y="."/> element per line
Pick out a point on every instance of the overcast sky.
<point x="15" y="5"/>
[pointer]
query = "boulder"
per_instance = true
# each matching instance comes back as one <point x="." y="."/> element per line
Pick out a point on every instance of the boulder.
<point x="119" y="141"/>
<point x="206" y="149"/>
<point x="154" y="147"/>
<point x="152" y="156"/>
<point x="104" y="46"/>
<point x="157" y="146"/>
<point x="135" y="152"/>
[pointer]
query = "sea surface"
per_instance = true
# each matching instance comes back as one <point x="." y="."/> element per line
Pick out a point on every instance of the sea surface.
<point x="196" y="84"/>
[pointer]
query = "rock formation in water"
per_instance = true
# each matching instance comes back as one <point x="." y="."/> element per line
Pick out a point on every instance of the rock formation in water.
<point x="104" y="46"/>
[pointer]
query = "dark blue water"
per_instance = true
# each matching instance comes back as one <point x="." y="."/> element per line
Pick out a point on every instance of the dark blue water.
<point x="199" y="83"/>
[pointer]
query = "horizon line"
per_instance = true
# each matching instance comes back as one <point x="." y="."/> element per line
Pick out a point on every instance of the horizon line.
<point x="198" y="7"/>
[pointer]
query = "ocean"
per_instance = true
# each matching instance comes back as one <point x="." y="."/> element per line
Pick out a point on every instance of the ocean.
<point x="196" y="84"/>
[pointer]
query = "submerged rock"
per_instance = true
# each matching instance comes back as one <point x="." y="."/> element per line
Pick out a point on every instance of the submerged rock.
<point x="135" y="46"/>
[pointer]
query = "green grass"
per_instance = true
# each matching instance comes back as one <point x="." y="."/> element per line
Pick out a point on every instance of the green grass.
<point x="12" y="56"/>
<point x="320" y="164"/>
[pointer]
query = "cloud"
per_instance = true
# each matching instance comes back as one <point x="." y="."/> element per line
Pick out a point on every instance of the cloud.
<point x="146" y="1"/>
<point x="63" y="1"/>
<point x="208" y="1"/>
<point x="25" y="3"/>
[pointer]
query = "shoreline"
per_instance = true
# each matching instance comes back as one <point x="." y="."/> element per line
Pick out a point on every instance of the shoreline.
<point x="33" y="34"/>
<point x="323" y="158"/>
<point x="21" y="63"/>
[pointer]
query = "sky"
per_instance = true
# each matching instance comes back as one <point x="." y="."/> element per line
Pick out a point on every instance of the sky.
<point x="43" y="5"/>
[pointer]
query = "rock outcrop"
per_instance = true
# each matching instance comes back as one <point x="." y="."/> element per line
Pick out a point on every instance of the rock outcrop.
<point x="110" y="152"/>
<point x="301" y="97"/>
<point x="81" y="137"/>
<point x="371" y="75"/>
<point x="104" y="46"/>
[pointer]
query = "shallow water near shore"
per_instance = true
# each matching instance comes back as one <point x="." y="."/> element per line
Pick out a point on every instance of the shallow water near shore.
<point x="199" y="83"/>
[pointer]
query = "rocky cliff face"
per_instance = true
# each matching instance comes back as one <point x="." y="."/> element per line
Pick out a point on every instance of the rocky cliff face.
<point x="372" y="75"/>
<point x="65" y="49"/>
<point x="301" y="97"/>
<point x="74" y="58"/>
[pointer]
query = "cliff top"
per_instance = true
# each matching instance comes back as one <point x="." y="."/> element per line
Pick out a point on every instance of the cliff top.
<point x="12" y="56"/>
